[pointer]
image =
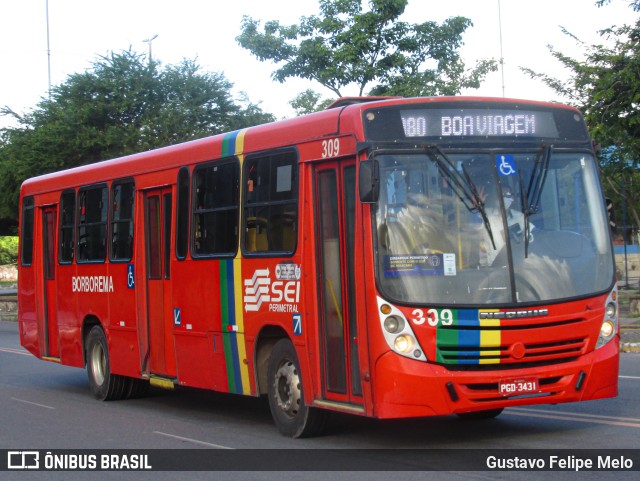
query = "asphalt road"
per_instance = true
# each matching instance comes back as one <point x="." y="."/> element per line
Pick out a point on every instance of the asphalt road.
<point x="47" y="406"/>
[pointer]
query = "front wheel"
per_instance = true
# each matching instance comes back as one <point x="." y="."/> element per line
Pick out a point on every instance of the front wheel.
<point x="104" y="385"/>
<point x="292" y="416"/>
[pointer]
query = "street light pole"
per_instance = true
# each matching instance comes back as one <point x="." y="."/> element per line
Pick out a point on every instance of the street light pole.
<point x="150" y="41"/>
<point x="48" y="48"/>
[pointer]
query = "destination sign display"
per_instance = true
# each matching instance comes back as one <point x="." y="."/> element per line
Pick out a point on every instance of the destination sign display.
<point x="478" y="123"/>
<point x="474" y="120"/>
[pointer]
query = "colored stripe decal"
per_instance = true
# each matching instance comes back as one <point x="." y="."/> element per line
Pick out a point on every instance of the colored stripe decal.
<point x="231" y="296"/>
<point x="469" y="340"/>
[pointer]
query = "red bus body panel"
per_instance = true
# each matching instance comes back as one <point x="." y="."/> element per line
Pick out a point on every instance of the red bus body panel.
<point x="216" y="342"/>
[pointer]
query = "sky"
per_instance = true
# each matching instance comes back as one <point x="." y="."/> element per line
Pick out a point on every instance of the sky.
<point x="80" y="31"/>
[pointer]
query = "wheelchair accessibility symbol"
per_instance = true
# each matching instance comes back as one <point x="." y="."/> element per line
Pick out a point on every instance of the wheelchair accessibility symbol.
<point x="506" y="165"/>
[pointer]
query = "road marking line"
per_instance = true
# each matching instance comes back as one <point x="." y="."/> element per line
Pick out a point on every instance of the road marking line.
<point x="218" y="446"/>
<point x="594" y="420"/>
<point x="573" y="413"/>
<point x="15" y="351"/>
<point x="629" y="377"/>
<point x="32" y="403"/>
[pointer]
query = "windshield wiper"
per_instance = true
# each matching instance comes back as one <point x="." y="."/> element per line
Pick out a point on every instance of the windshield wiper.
<point x="537" y="181"/>
<point x="462" y="185"/>
<point x="524" y="201"/>
<point x="531" y="199"/>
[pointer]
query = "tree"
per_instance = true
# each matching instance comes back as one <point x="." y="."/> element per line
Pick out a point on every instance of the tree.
<point x="348" y="44"/>
<point x="308" y="102"/>
<point x="124" y="104"/>
<point x="605" y="86"/>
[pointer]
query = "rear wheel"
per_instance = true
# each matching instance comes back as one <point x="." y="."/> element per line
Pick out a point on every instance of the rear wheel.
<point x="104" y="385"/>
<point x="286" y="401"/>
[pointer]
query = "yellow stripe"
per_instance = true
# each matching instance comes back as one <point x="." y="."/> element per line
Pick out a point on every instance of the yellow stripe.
<point x="490" y="338"/>
<point x="237" y="294"/>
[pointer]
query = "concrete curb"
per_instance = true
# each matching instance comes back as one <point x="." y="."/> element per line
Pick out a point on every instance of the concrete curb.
<point x="630" y="347"/>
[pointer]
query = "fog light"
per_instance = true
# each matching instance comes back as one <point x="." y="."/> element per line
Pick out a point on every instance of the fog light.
<point x="404" y="343"/>
<point x="394" y="324"/>
<point x="608" y="329"/>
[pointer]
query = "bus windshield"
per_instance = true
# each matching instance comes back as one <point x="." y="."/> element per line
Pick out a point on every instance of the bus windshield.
<point x="490" y="227"/>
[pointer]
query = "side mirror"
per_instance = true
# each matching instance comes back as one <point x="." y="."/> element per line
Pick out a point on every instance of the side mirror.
<point x="369" y="181"/>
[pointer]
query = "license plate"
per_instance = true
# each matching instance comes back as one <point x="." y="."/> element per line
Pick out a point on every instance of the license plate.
<point x="512" y="387"/>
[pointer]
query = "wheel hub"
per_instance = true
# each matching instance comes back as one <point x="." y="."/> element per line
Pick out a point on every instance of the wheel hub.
<point x="287" y="388"/>
<point x="98" y="362"/>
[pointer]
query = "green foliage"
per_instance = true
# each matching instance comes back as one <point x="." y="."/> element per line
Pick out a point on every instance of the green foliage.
<point x="123" y="104"/>
<point x="605" y="86"/>
<point x="308" y="102"/>
<point x="8" y="250"/>
<point x="348" y="44"/>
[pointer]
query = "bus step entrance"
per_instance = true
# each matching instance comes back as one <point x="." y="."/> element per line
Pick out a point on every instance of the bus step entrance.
<point x="162" y="382"/>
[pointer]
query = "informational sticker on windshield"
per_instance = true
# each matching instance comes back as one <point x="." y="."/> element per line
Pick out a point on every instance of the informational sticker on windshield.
<point x="449" y="261"/>
<point x="413" y="265"/>
<point x="420" y="265"/>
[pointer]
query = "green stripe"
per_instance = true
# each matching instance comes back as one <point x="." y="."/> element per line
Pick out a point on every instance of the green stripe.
<point x="224" y="314"/>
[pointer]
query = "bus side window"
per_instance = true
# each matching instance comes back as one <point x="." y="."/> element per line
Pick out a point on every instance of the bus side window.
<point x="67" y="226"/>
<point x="122" y="195"/>
<point x="216" y="187"/>
<point x="182" y="214"/>
<point x="270" y="203"/>
<point x="26" y="232"/>
<point x="92" y="223"/>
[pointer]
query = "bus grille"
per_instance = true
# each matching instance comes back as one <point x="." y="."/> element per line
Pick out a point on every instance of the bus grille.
<point x="509" y="355"/>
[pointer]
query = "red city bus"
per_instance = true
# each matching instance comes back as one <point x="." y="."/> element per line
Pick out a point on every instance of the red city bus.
<point x="391" y="258"/>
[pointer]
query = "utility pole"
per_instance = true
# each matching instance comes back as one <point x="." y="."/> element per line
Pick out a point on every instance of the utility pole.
<point x="501" y="55"/>
<point x="48" y="48"/>
<point x="150" y="41"/>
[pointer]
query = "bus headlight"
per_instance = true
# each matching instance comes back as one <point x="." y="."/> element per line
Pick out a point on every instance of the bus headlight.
<point x="611" y="311"/>
<point x="394" y="324"/>
<point x="404" y="343"/>
<point x="609" y="326"/>
<point x="608" y="329"/>
<point x="398" y="333"/>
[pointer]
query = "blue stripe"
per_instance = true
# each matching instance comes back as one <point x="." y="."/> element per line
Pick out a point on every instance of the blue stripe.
<point x="468" y="337"/>
<point x="229" y="143"/>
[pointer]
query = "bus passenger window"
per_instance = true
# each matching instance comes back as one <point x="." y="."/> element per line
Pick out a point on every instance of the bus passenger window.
<point x="270" y="206"/>
<point x="92" y="224"/>
<point x="67" y="226"/>
<point x="216" y="188"/>
<point x="122" y="195"/>
<point x="182" y="214"/>
<point x="26" y="242"/>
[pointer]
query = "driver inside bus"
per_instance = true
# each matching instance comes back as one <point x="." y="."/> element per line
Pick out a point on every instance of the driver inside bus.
<point x="515" y="224"/>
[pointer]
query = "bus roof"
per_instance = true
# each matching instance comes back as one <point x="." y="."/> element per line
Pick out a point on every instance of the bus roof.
<point x="343" y="117"/>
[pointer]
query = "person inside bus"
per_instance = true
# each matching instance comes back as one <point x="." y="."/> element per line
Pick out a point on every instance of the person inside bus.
<point x="515" y="224"/>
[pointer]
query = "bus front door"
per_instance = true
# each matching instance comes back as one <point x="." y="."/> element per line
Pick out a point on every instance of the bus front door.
<point x="49" y="327"/>
<point x="335" y="222"/>
<point x="161" y="352"/>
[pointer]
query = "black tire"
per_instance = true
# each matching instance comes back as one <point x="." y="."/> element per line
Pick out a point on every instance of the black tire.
<point x="286" y="400"/>
<point x="104" y="385"/>
<point x="479" y="415"/>
<point x="137" y="388"/>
